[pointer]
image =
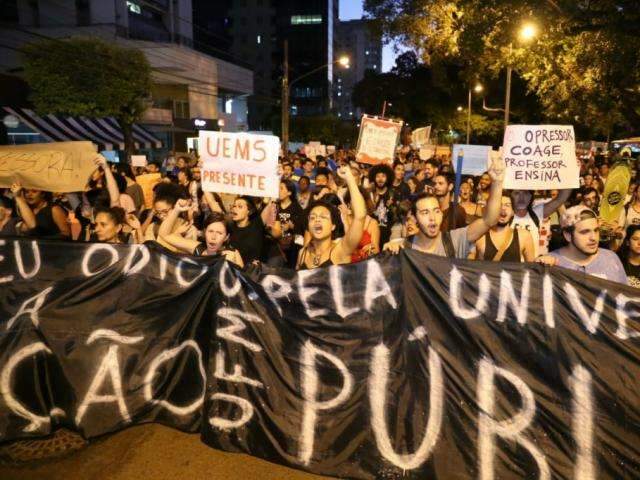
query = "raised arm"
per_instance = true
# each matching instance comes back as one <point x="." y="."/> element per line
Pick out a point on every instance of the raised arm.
<point x="353" y="236"/>
<point x="492" y="210"/>
<point x="174" y="238"/>
<point x="24" y="209"/>
<point x="553" y="205"/>
<point x="212" y="202"/>
<point x="112" y="186"/>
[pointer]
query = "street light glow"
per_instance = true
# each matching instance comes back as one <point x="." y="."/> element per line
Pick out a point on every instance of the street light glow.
<point x="344" y="61"/>
<point x="459" y="108"/>
<point x="478" y="88"/>
<point x="528" y="32"/>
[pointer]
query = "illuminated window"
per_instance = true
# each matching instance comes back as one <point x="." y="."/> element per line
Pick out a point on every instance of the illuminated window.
<point x="306" y="19"/>
<point x="134" y="7"/>
<point x="259" y="39"/>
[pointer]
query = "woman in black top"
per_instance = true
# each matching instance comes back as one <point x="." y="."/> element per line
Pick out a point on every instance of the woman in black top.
<point x="630" y="255"/>
<point x="216" y="235"/>
<point x="40" y="218"/>
<point x="249" y="228"/>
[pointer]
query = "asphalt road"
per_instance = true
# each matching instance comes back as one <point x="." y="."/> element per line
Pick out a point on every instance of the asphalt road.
<point x="152" y="452"/>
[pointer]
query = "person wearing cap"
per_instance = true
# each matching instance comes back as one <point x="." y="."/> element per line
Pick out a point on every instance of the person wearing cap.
<point x="581" y="229"/>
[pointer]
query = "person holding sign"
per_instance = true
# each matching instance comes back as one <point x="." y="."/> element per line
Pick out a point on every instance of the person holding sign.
<point x="455" y="243"/>
<point x="40" y="218"/>
<point x="323" y="218"/>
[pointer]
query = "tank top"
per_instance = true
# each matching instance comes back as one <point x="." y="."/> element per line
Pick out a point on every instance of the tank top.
<point x="303" y="266"/>
<point x="511" y="254"/>
<point x="45" y="225"/>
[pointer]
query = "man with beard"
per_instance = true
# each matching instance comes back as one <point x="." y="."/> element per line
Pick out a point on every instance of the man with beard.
<point x="581" y="230"/>
<point x="454" y="215"/>
<point x="431" y="168"/>
<point x="381" y="178"/>
<point x="529" y="217"/>
<point x="455" y="243"/>
<point x="400" y="188"/>
<point x="503" y="243"/>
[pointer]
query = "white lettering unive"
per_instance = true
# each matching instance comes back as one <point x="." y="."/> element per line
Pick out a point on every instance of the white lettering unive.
<point x="130" y="268"/>
<point x="36" y="422"/>
<point x="226" y="424"/>
<point x="378" y="380"/>
<point x="96" y="247"/>
<point x="163" y="267"/>
<point x="275" y="288"/>
<point x="229" y="290"/>
<point x="377" y="286"/>
<point x="592" y="321"/>
<point x="338" y="292"/>
<point x="6" y="278"/>
<point x="511" y="429"/>
<point x="582" y="423"/>
<point x="311" y="405"/>
<point x="164" y="357"/>
<point x="181" y="280"/>
<point x="36" y="259"/>
<point x="31" y="307"/>
<point x="305" y="292"/>
<point x="622" y="315"/>
<point x="508" y="298"/>
<point x="457" y="302"/>
<point x="547" y="299"/>
<point x="237" y="376"/>
<point x="237" y="319"/>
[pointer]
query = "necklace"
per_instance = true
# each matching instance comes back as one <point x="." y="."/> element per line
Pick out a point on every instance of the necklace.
<point x="315" y="257"/>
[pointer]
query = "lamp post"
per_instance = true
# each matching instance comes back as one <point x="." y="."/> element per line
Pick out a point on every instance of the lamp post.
<point x="478" y="88"/>
<point x="526" y="34"/>
<point x="286" y="91"/>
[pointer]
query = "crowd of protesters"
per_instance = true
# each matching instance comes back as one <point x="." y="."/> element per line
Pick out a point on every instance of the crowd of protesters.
<point x="333" y="210"/>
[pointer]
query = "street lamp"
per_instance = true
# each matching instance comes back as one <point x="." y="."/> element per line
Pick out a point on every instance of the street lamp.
<point x="460" y="108"/>
<point x="527" y="32"/>
<point x="478" y="88"/>
<point x="286" y="91"/>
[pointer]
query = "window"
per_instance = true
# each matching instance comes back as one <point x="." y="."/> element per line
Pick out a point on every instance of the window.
<point x="259" y="39"/>
<point x="134" y="8"/>
<point x="306" y="19"/>
<point x="228" y="106"/>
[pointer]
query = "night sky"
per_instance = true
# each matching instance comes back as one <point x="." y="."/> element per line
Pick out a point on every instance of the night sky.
<point x="350" y="9"/>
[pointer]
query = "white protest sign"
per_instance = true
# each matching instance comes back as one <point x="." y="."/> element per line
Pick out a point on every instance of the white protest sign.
<point x="241" y="163"/>
<point x="474" y="158"/>
<point x="540" y="157"/>
<point x="138" y="160"/>
<point x="331" y="149"/>
<point x="313" y="149"/>
<point x="420" y="136"/>
<point x="377" y="141"/>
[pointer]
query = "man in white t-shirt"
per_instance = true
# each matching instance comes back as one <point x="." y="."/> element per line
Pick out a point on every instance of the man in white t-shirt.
<point x="530" y="217"/>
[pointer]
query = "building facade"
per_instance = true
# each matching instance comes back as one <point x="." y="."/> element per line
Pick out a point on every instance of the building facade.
<point x="364" y="49"/>
<point x="191" y="86"/>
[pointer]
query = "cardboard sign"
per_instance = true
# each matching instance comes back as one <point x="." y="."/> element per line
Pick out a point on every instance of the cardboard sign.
<point x="420" y="136"/>
<point x="377" y="141"/>
<point x="53" y="167"/>
<point x="540" y="157"/>
<point x="474" y="158"/>
<point x="138" y="160"/>
<point x="147" y="182"/>
<point x="242" y="163"/>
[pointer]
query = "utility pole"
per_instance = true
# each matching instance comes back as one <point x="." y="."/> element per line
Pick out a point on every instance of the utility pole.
<point x="285" y="101"/>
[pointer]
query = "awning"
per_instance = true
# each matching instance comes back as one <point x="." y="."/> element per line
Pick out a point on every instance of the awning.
<point x="104" y="132"/>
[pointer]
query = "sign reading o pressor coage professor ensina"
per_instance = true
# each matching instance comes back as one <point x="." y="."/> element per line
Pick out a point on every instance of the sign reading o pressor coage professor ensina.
<point x="241" y="163"/>
<point x="540" y="157"/>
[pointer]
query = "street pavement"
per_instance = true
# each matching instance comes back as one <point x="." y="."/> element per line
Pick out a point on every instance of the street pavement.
<point x="152" y="452"/>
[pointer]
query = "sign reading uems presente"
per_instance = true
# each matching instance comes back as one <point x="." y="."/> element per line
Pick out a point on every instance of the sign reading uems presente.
<point x="242" y="163"/>
<point x="405" y="367"/>
<point x="540" y="157"/>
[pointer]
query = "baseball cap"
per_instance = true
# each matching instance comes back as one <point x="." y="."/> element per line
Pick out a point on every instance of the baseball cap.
<point x="575" y="214"/>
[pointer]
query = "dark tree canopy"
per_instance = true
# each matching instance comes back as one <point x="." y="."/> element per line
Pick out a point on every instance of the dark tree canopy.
<point x="584" y="64"/>
<point x="87" y="76"/>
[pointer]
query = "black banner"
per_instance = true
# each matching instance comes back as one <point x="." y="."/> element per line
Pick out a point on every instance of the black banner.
<point x="406" y="367"/>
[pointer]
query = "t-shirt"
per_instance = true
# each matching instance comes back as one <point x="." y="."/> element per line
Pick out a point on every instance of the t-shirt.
<point x="632" y="217"/>
<point x="248" y="240"/>
<point x="126" y="202"/>
<point x="293" y="213"/>
<point x="606" y="265"/>
<point x="633" y="274"/>
<point x="461" y="246"/>
<point x="137" y="195"/>
<point x="540" y="245"/>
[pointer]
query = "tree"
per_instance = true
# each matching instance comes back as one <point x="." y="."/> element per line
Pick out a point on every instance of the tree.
<point x="89" y="77"/>
<point x="583" y="66"/>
